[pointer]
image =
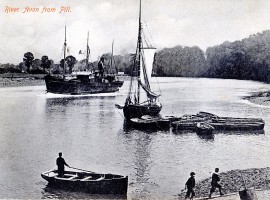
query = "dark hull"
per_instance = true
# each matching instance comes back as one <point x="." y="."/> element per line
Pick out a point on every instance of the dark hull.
<point x="150" y="123"/>
<point x="238" y="126"/>
<point x="137" y="111"/>
<point x="60" y="86"/>
<point x="110" y="185"/>
<point x="204" y="129"/>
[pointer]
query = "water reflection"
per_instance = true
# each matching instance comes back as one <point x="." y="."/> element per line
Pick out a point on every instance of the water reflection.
<point x="85" y="111"/>
<point x="141" y="143"/>
<point x="207" y="137"/>
<point x="246" y="132"/>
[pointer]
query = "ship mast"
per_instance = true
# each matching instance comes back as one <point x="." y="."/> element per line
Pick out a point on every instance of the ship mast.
<point x="65" y="47"/>
<point x="140" y="49"/>
<point x="111" y="58"/>
<point x="87" y="51"/>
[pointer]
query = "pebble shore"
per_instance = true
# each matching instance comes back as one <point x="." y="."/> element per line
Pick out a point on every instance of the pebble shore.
<point x="233" y="181"/>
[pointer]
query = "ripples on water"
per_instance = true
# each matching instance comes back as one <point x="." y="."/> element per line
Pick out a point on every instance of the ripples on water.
<point x="90" y="132"/>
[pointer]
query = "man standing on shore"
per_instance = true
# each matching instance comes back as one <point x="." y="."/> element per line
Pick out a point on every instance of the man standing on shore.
<point x="190" y="184"/>
<point x="214" y="183"/>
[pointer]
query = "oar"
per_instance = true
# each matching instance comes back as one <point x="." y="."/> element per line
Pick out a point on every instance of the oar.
<point x="82" y="170"/>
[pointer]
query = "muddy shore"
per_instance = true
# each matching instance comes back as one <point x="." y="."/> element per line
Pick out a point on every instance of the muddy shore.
<point x="260" y="98"/>
<point x="16" y="80"/>
<point x="233" y="181"/>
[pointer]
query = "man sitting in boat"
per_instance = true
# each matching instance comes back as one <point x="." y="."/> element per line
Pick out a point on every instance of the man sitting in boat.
<point x="60" y="162"/>
<point x="101" y="67"/>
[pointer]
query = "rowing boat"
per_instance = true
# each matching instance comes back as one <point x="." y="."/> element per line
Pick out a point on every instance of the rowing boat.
<point x="90" y="182"/>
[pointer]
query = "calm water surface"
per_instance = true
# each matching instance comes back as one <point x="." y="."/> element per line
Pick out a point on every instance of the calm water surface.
<point x="35" y="126"/>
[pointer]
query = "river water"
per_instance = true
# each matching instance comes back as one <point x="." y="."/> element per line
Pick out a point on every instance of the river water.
<point x="89" y="130"/>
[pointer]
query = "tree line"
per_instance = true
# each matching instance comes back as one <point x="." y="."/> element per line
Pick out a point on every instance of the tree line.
<point x="247" y="59"/>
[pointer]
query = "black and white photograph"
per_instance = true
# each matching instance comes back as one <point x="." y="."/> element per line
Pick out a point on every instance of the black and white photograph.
<point x="135" y="99"/>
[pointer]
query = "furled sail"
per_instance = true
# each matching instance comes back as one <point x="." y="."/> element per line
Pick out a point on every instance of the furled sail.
<point x="149" y="93"/>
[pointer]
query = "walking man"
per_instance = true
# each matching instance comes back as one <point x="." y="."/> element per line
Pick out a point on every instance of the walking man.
<point x="60" y="162"/>
<point x="190" y="184"/>
<point x="214" y="183"/>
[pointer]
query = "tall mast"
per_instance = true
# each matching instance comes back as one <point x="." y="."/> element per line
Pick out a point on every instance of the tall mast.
<point x="65" y="47"/>
<point x="139" y="56"/>
<point x="87" y="51"/>
<point x="111" y="58"/>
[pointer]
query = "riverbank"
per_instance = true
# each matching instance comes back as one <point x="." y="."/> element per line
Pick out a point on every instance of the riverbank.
<point x="16" y="80"/>
<point x="235" y="180"/>
<point x="260" y="98"/>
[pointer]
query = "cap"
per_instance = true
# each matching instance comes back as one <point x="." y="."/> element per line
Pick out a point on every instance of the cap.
<point x="192" y="173"/>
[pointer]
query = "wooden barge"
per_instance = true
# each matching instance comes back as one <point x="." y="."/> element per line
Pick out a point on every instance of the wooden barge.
<point x="192" y="122"/>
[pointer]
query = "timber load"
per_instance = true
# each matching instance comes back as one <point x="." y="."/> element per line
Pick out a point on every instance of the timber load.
<point x="195" y="122"/>
<point x="218" y="123"/>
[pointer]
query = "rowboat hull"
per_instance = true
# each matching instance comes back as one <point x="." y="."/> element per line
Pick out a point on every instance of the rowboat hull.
<point x="93" y="183"/>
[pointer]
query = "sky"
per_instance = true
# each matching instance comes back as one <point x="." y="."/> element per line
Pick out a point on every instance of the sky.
<point x="168" y="23"/>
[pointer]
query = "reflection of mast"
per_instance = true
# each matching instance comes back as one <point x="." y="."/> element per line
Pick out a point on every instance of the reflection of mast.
<point x="142" y="161"/>
<point x="65" y="47"/>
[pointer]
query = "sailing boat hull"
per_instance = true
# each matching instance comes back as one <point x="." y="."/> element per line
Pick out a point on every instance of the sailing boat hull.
<point x="77" y="86"/>
<point x="137" y="111"/>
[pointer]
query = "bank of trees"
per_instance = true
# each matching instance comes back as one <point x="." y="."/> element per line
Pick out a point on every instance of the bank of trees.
<point x="247" y="59"/>
<point x="180" y="61"/>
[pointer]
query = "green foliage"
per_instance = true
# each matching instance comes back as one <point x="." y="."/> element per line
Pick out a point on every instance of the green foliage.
<point x="120" y="63"/>
<point x="180" y="61"/>
<point x="247" y="59"/>
<point x="45" y="63"/>
<point x="28" y="59"/>
<point x="6" y="68"/>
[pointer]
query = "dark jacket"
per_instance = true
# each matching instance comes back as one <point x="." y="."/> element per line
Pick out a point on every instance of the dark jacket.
<point x="60" y="162"/>
<point x="215" y="179"/>
<point x="100" y="66"/>
<point x="190" y="182"/>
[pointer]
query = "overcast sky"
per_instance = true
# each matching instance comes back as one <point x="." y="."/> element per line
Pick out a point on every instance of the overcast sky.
<point x="202" y="23"/>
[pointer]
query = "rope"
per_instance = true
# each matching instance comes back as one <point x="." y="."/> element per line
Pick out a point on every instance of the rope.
<point x="120" y="113"/>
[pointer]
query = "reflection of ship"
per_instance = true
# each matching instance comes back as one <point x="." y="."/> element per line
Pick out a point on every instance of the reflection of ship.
<point x="82" y="83"/>
<point x="140" y="75"/>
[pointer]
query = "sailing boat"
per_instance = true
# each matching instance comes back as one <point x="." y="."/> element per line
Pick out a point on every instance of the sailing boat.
<point x="140" y="74"/>
<point x="83" y="83"/>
